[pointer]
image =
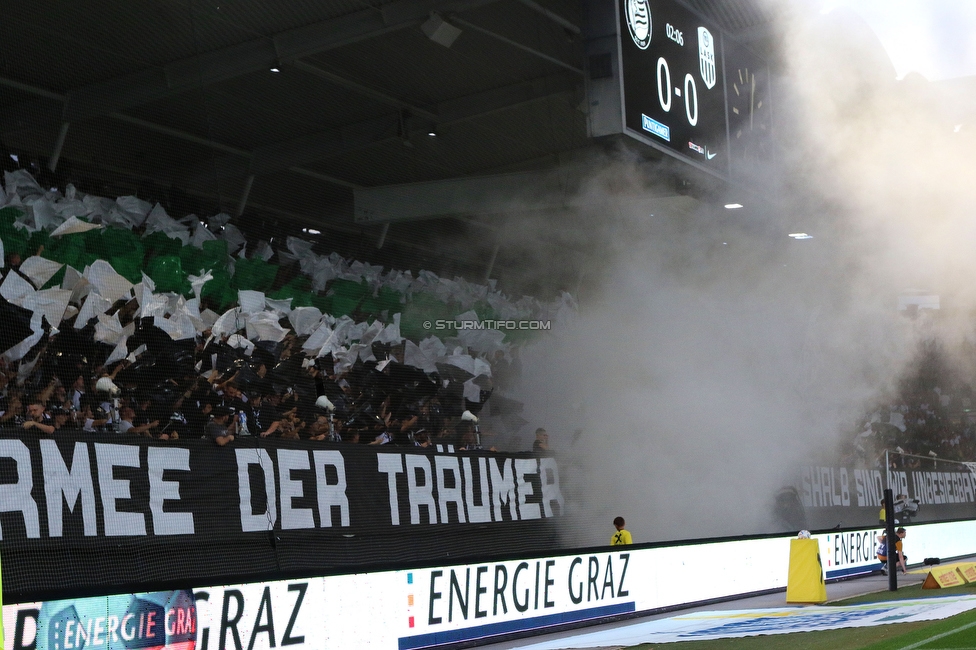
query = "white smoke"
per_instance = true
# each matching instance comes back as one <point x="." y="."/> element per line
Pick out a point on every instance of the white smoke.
<point x="712" y="352"/>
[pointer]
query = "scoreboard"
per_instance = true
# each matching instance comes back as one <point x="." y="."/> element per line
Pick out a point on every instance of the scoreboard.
<point x="674" y="83"/>
<point x="681" y="85"/>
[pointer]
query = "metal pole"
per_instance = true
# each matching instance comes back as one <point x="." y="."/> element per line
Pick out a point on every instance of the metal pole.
<point x="491" y="263"/>
<point x="887" y="470"/>
<point x="52" y="162"/>
<point x="382" y="239"/>
<point x="889" y="502"/>
<point x="248" y="183"/>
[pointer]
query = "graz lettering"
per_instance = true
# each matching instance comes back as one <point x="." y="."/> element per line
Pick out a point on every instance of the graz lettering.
<point x="493" y="590"/>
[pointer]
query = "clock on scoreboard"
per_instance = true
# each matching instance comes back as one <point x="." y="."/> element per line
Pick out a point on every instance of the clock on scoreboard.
<point x="750" y="113"/>
<point x="676" y="96"/>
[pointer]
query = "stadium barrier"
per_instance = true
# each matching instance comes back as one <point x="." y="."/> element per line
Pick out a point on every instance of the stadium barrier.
<point x="439" y="606"/>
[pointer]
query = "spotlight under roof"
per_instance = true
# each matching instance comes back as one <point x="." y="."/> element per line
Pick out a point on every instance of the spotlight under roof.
<point x="440" y="31"/>
<point x="800" y="235"/>
<point x="733" y="206"/>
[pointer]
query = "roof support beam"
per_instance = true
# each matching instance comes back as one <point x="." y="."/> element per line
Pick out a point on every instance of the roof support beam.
<point x="336" y="142"/>
<point x="456" y="255"/>
<point x="547" y="191"/>
<point x="517" y="45"/>
<point x="183" y="135"/>
<point x="33" y="112"/>
<point x="324" y="144"/>
<point x="551" y="15"/>
<point x="497" y="99"/>
<point x="460" y="108"/>
<point x="45" y="113"/>
<point x="151" y="84"/>
<point x="366" y="91"/>
<point x="484" y="195"/>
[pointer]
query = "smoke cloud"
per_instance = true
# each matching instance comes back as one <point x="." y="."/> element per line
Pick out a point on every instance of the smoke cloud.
<point x="712" y="353"/>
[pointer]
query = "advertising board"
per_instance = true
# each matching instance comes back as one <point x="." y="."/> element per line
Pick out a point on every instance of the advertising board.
<point x="444" y="605"/>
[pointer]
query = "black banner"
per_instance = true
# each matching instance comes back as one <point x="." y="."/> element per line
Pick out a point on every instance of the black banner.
<point x="88" y="512"/>
<point x="826" y="497"/>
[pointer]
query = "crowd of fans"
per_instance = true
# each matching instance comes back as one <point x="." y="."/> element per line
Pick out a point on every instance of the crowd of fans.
<point x="190" y="366"/>
<point x="87" y="349"/>
<point x="274" y="392"/>
<point x="931" y="416"/>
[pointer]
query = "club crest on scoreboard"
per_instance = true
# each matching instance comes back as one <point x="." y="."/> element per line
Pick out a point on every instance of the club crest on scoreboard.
<point x="706" y="57"/>
<point x="639" y="22"/>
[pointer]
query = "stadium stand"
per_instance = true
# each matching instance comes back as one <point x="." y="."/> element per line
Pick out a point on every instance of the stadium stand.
<point x="188" y="318"/>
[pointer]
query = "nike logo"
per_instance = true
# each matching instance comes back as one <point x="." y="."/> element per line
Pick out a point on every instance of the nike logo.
<point x="710" y="155"/>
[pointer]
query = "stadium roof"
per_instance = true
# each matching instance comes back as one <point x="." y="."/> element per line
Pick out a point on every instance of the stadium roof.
<point x="293" y="104"/>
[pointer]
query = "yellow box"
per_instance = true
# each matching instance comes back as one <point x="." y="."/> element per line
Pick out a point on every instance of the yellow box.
<point x="947" y="576"/>
<point x="806" y="578"/>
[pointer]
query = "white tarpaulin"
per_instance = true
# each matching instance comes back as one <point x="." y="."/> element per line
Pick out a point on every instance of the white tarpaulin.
<point x="39" y="270"/>
<point x="132" y="209"/>
<point x="263" y="250"/>
<point x="233" y="236"/>
<point x="21" y="183"/>
<point x="17" y="352"/>
<point x="238" y="341"/>
<point x="71" y="208"/>
<point x="179" y="326"/>
<point x="71" y="278"/>
<point x="264" y="326"/>
<point x="107" y="282"/>
<point x="251" y="302"/>
<point x="109" y="330"/>
<point x="200" y="235"/>
<point x="94" y="305"/>
<point x="283" y="307"/>
<point x="50" y="302"/>
<point x="159" y="221"/>
<point x="319" y="337"/>
<point x="197" y="282"/>
<point x="229" y="322"/>
<point x="41" y="210"/>
<point x="97" y="207"/>
<point x="74" y="225"/>
<point x="305" y="320"/>
<point x="414" y="356"/>
<point x="15" y="287"/>
<point x="120" y="352"/>
<point x="390" y="333"/>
